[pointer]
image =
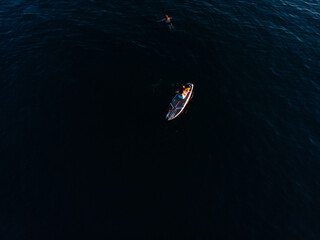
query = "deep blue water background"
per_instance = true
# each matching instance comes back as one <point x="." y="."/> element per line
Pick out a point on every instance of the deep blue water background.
<point x="86" y="153"/>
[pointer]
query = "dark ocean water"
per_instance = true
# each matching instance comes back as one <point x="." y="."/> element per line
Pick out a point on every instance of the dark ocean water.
<point x="86" y="153"/>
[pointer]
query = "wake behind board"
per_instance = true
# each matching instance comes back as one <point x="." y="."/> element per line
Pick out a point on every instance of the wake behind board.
<point x="178" y="104"/>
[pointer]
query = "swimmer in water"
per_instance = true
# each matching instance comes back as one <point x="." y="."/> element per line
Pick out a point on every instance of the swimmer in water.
<point x="167" y="20"/>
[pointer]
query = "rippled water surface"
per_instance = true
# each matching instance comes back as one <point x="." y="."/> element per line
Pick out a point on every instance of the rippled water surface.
<point x="85" y="150"/>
